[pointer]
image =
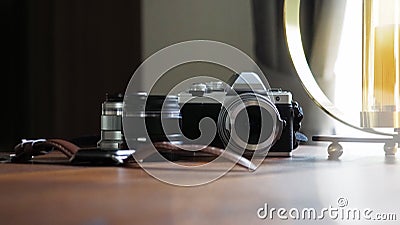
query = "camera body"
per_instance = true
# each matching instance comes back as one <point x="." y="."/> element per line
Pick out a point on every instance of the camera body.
<point x="270" y="117"/>
<point x="247" y="117"/>
<point x="270" y="111"/>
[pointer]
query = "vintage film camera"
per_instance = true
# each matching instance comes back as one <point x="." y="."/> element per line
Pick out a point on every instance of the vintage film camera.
<point x="249" y="118"/>
<point x="272" y="117"/>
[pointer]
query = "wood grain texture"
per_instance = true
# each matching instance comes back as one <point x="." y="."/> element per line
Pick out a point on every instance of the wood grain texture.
<point x="57" y="194"/>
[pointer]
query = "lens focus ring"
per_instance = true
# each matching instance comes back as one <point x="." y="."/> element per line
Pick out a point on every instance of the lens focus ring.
<point x="232" y="133"/>
<point x="111" y="122"/>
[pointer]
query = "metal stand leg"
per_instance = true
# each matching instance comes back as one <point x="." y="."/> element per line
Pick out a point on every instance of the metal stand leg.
<point x="335" y="150"/>
<point x="390" y="148"/>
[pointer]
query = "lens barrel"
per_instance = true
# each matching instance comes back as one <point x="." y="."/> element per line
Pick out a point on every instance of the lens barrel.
<point x="250" y="122"/>
<point x="112" y="137"/>
<point x="156" y="117"/>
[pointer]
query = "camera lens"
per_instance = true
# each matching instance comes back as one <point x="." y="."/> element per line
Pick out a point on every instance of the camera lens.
<point x="152" y="116"/>
<point x="253" y="117"/>
<point x="163" y="118"/>
<point x="111" y="123"/>
<point x="250" y="122"/>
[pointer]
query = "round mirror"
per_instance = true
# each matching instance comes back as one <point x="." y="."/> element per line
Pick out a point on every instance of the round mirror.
<point x="351" y="77"/>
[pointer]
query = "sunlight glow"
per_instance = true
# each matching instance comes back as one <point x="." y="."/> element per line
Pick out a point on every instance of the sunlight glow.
<point x="348" y="67"/>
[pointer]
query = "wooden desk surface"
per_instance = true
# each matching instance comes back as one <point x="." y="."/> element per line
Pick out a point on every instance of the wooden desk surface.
<point x="56" y="194"/>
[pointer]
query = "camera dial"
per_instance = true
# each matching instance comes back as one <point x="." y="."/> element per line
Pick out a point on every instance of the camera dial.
<point x="198" y="89"/>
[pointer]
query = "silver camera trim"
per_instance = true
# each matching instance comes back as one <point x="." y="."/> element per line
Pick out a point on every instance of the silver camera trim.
<point x="112" y="137"/>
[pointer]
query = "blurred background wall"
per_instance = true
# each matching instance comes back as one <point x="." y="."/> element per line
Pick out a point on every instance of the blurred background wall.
<point x="169" y="22"/>
<point x="63" y="56"/>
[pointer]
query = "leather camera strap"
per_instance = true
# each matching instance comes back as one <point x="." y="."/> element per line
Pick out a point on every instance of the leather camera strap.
<point x="30" y="148"/>
<point x="25" y="150"/>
